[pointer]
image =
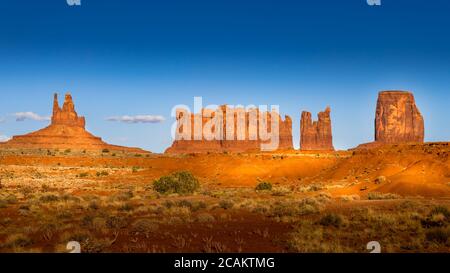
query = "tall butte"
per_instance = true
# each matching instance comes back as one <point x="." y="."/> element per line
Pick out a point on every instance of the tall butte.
<point x="240" y="135"/>
<point x="316" y="135"/>
<point x="397" y="120"/>
<point x="66" y="131"/>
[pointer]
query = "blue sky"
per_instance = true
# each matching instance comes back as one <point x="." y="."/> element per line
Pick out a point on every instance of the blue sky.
<point x="134" y="57"/>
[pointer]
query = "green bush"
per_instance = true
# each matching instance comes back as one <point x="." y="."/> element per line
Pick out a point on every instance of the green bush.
<point x="179" y="182"/>
<point x="264" y="186"/>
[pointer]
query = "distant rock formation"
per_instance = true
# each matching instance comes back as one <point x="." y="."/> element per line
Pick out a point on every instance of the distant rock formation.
<point x="397" y="119"/>
<point x="317" y="135"/>
<point x="66" y="131"/>
<point x="241" y="136"/>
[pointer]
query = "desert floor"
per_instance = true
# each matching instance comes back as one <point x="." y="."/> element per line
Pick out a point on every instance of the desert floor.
<point x="397" y="195"/>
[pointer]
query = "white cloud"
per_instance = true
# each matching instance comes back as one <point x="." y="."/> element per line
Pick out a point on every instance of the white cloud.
<point x="4" y="138"/>
<point x="138" y="119"/>
<point x="21" y="116"/>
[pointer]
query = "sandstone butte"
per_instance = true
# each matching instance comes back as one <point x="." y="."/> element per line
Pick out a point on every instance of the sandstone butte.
<point x="230" y="144"/>
<point x="66" y="131"/>
<point x="397" y="120"/>
<point x="316" y="135"/>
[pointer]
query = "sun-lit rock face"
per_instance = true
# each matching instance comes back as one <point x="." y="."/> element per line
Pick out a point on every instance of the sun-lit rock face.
<point x="316" y="135"/>
<point x="398" y="120"/>
<point x="66" y="131"/>
<point x="67" y="115"/>
<point x="237" y="135"/>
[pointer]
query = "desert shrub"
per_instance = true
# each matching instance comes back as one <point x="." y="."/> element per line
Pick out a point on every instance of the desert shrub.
<point x="93" y="205"/>
<point x="126" y="207"/>
<point x="77" y="236"/>
<point x="18" y="240"/>
<point x="441" y="210"/>
<point x="264" y="186"/>
<point x="380" y="179"/>
<point x="135" y="169"/>
<point x="179" y="182"/>
<point x="382" y="196"/>
<point x="123" y="196"/>
<point x="145" y="226"/>
<point x="102" y="173"/>
<point x="83" y="175"/>
<point x="306" y="209"/>
<point x="331" y="219"/>
<point x="49" y="198"/>
<point x="438" y="217"/>
<point x="438" y="235"/>
<point x="105" y="151"/>
<point x="315" y="187"/>
<point x="205" y="218"/>
<point x="116" y="222"/>
<point x="284" y="209"/>
<point x="226" y="204"/>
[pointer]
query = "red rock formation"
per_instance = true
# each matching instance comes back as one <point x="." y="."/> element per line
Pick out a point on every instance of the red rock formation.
<point x="316" y="135"/>
<point x="239" y="136"/>
<point x="66" y="131"/>
<point x="398" y="120"/>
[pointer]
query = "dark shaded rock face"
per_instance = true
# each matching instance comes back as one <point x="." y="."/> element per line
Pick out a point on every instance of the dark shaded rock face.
<point x="316" y="135"/>
<point x="397" y="119"/>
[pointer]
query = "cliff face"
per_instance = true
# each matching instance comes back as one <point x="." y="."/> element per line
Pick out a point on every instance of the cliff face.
<point x="241" y="135"/>
<point x="316" y="135"/>
<point x="397" y="119"/>
<point x="66" y="131"/>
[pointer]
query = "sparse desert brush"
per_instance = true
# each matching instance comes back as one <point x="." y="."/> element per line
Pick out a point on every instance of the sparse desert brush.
<point x="145" y="226"/>
<point x="281" y="191"/>
<point x="17" y="240"/>
<point x="83" y="175"/>
<point x="116" y="222"/>
<point x="179" y="182"/>
<point x="438" y="235"/>
<point x="307" y="209"/>
<point x="382" y="196"/>
<point x="102" y="173"/>
<point x="282" y="209"/>
<point x="380" y="180"/>
<point x="47" y="198"/>
<point x="226" y="204"/>
<point x="264" y="186"/>
<point x="438" y="217"/>
<point x="315" y="187"/>
<point x="77" y="235"/>
<point x="353" y="197"/>
<point x="122" y="196"/>
<point x="332" y="219"/>
<point x="126" y="207"/>
<point x="205" y="218"/>
<point x="441" y="210"/>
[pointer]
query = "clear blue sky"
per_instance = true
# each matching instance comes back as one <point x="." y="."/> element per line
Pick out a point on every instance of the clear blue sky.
<point x="131" y="57"/>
